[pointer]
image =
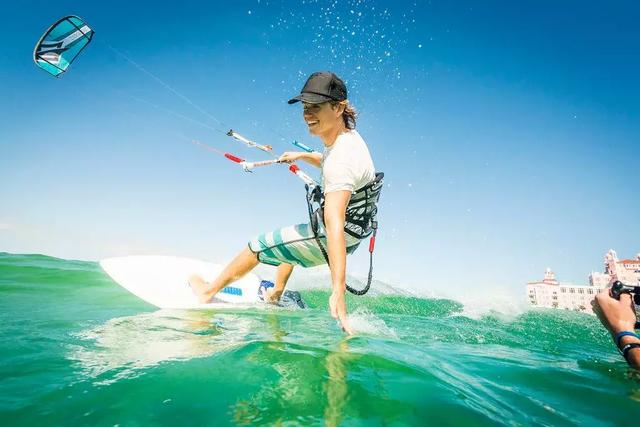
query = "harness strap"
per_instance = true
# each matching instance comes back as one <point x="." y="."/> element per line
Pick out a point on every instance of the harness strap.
<point x="372" y="241"/>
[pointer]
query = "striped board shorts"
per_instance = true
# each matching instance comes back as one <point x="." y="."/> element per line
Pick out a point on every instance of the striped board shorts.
<point x="295" y="245"/>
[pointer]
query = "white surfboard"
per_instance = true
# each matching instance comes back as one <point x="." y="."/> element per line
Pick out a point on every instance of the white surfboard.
<point x="164" y="282"/>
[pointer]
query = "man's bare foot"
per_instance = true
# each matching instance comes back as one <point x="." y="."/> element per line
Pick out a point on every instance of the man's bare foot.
<point x="200" y="288"/>
<point x="272" y="296"/>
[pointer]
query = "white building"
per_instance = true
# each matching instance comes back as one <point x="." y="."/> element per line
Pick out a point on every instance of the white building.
<point x="627" y="271"/>
<point x="550" y="293"/>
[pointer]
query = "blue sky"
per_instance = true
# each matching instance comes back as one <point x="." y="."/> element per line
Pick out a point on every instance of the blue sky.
<point x="509" y="132"/>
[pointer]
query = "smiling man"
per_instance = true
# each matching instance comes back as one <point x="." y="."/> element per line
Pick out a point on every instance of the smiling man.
<point x="350" y="191"/>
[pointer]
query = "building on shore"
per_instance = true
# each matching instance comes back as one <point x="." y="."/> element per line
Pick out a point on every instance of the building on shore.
<point x="627" y="271"/>
<point x="550" y="293"/>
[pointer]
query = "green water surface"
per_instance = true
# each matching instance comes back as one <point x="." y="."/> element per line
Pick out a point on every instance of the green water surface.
<point x="76" y="349"/>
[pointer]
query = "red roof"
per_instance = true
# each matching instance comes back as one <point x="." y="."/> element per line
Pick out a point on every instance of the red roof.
<point x="630" y="261"/>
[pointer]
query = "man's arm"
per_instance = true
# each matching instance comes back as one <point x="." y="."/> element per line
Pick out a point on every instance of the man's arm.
<point x="619" y="316"/>
<point x="335" y="206"/>
<point x="313" y="159"/>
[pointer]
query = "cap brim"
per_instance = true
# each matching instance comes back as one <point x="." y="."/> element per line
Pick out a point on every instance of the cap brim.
<point x="311" y="98"/>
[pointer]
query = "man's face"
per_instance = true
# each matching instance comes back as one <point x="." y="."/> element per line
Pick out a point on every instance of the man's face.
<point x="320" y="118"/>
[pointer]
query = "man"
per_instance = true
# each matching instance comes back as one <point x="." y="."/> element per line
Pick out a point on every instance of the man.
<point x="346" y="168"/>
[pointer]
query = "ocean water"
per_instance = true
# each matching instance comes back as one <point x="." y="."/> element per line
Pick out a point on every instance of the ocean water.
<point x="76" y="349"/>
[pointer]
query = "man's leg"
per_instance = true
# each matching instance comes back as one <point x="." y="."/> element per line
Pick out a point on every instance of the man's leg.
<point x="243" y="263"/>
<point x="282" y="277"/>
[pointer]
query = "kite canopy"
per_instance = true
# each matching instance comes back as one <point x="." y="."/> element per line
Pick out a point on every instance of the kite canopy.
<point x="61" y="44"/>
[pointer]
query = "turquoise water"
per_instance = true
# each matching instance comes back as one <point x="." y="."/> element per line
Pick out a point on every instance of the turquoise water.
<point x="76" y="349"/>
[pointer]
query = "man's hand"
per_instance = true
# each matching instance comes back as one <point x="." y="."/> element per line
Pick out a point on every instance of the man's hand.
<point x="615" y="315"/>
<point x="314" y="159"/>
<point x="338" y="308"/>
<point x="290" y="156"/>
<point x="272" y="296"/>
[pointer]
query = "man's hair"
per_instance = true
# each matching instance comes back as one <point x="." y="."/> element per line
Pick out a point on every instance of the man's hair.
<point x="349" y="115"/>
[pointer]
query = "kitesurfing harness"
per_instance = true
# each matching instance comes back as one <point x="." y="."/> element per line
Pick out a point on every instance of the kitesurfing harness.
<point x="360" y="219"/>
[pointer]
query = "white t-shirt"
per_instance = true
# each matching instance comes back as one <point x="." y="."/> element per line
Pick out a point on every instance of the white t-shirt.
<point x="347" y="164"/>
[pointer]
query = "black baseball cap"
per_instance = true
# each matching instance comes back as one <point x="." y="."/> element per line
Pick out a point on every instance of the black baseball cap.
<point x="321" y="87"/>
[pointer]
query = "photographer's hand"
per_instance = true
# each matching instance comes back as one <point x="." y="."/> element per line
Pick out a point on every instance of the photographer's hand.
<point x="619" y="316"/>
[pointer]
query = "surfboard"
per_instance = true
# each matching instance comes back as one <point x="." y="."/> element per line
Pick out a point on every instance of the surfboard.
<point x="163" y="281"/>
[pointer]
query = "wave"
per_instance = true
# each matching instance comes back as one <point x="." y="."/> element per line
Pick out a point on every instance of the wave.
<point x="37" y="272"/>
